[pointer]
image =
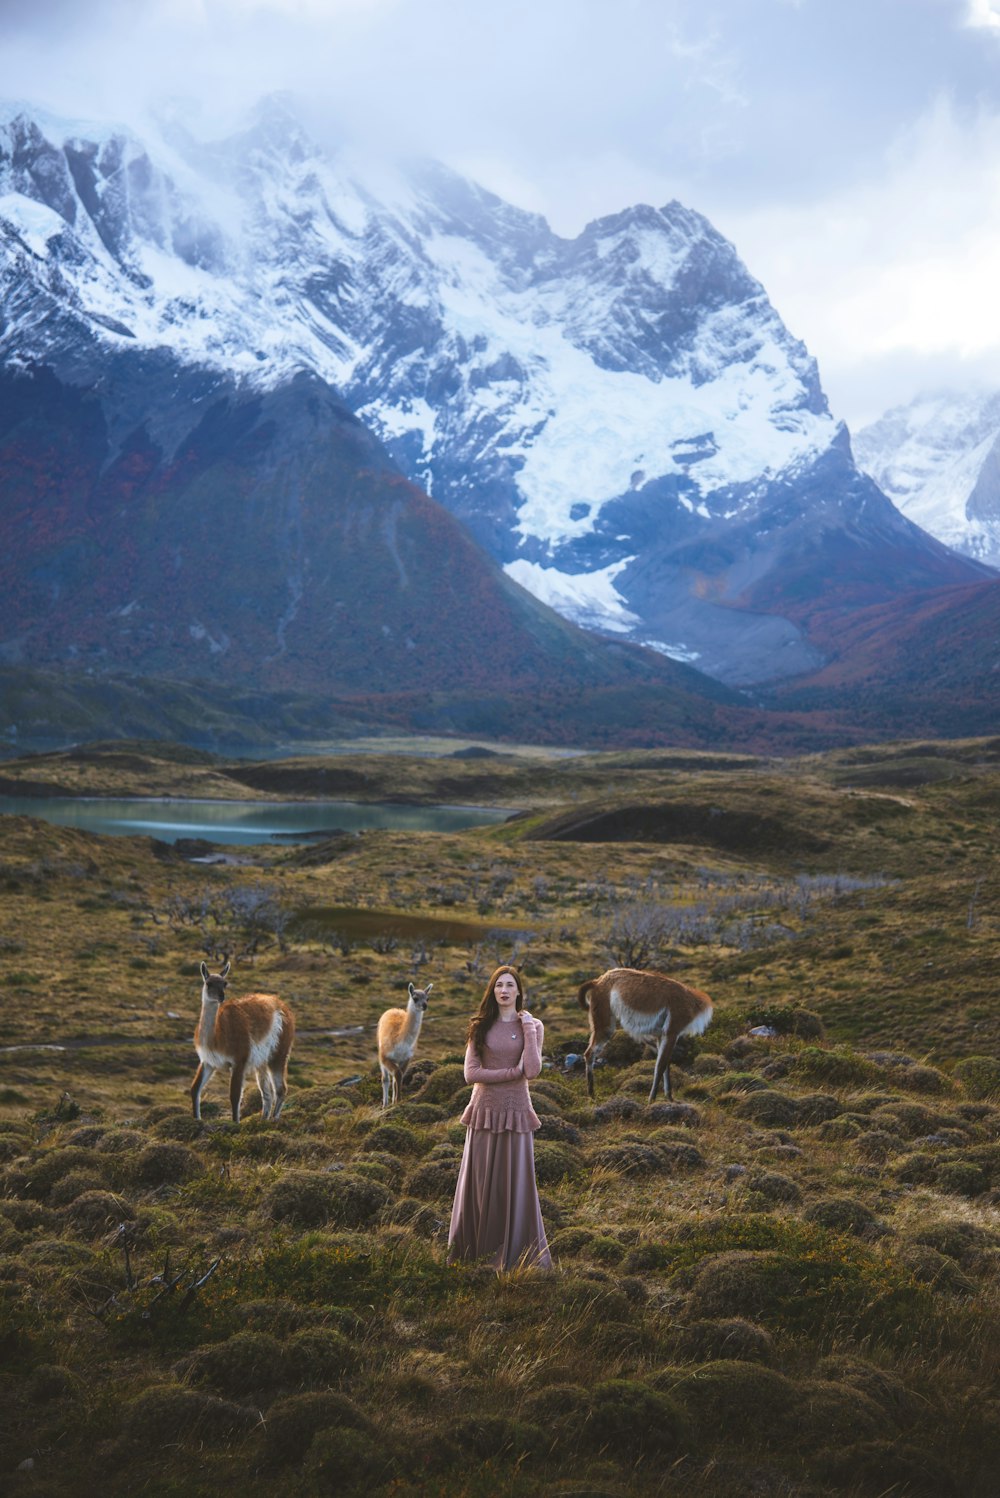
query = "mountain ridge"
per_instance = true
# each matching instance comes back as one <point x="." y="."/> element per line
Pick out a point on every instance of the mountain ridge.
<point x="583" y="406"/>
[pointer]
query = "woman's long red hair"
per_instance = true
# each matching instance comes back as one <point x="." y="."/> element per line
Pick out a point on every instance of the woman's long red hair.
<point x="489" y="1010"/>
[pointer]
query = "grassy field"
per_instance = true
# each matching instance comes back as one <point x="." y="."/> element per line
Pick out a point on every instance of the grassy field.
<point x="783" y="1284"/>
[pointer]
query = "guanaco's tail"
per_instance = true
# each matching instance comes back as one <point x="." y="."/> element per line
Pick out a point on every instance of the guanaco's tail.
<point x="583" y="994"/>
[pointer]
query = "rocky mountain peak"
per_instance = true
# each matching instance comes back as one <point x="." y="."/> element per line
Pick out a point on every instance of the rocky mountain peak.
<point x="619" y="419"/>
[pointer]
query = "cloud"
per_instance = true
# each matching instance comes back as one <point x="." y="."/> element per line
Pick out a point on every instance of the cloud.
<point x="847" y="148"/>
<point x="985" y="14"/>
<point x="896" y="285"/>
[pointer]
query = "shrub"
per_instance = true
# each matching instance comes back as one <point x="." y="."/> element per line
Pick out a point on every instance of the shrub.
<point x="843" y="1214"/>
<point x="570" y="1241"/>
<point x="919" y="1169"/>
<point x="434" y="1180"/>
<point x="278" y="1316"/>
<point x="629" y="1417"/>
<point x="881" y="1386"/>
<point x="313" y="1198"/>
<point x="346" y="1460"/>
<point x="93" y="1213"/>
<point x="921" y="1079"/>
<point x="169" y="1413"/>
<point x="294" y="1421"/>
<point x="629" y="1158"/>
<point x="442" y="1085"/>
<point x="771" y="1109"/>
<point x="166" y="1164"/>
<point x="878" y="1145"/>
<point x="616" y="1107"/>
<point x="672" y="1113"/>
<point x="249" y="1364"/>
<point x="182" y="1126"/>
<point x="773" y="1187"/>
<point x="678" y="1154"/>
<point x="929" y="1267"/>
<point x="74" y="1184"/>
<point x="555" y="1128"/>
<point x="743" y="1283"/>
<point x="87" y="1136"/>
<point x="50" y="1381"/>
<point x="497" y="1437"/>
<point x="963" y="1241"/>
<point x="122" y="1141"/>
<point x="838" y="1130"/>
<point x="605" y="1250"/>
<point x="909" y="1119"/>
<point x="566" y="1406"/>
<point x="319" y="1355"/>
<point x="548" y="1089"/>
<point x="746" y="1399"/>
<point x="819" y="1107"/>
<point x="419" y="1113"/>
<point x="888" y="1466"/>
<point x="787" y="1019"/>
<point x="57" y="1253"/>
<point x="717" y="1340"/>
<point x="961" y="1178"/>
<point x="835" y="1067"/>
<point x="979" y="1075"/>
<point x="379" y="1166"/>
<point x="394" y="1139"/>
<point x="830" y="1412"/>
<point x="554" y="1162"/>
<point x="408" y="1212"/>
<point x="43" y="1173"/>
<point x="28" y="1216"/>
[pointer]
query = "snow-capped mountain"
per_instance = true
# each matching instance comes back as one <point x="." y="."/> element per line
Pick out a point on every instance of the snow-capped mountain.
<point x="938" y="459"/>
<point x="621" y="419"/>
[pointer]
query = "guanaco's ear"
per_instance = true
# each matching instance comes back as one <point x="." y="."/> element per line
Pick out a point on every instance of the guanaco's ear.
<point x="204" y="973"/>
<point x="225" y="971"/>
<point x="410" y="989"/>
<point x="428" y="988"/>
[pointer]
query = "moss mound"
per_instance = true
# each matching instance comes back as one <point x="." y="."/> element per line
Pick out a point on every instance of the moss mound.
<point x="292" y="1423"/>
<point x="169" y="1414"/>
<point x="718" y="1340"/>
<point x="314" y="1198"/>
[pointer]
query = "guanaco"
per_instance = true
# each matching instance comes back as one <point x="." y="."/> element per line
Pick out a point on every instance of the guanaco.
<point x="651" y="1007"/>
<point x="252" y="1033"/>
<point x="398" y="1031"/>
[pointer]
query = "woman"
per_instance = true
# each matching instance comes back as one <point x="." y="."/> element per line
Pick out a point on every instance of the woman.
<point x="497" y="1214"/>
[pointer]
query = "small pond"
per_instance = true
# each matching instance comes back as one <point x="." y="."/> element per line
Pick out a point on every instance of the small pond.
<point x="244" y="822"/>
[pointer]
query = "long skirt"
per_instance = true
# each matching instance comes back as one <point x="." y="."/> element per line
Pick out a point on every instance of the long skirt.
<point x="497" y="1215"/>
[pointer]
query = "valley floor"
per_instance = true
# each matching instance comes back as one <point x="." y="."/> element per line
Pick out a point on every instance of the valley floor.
<point x="783" y="1283"/>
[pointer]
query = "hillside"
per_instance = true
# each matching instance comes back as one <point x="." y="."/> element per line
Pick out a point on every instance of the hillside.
<point x="931" y="660"/>
<point x="179" y="549"/>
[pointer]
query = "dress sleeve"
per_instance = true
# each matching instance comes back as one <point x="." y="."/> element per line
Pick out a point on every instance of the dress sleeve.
<point x="531" y="1061"/>
<point x="475" y="1071"/>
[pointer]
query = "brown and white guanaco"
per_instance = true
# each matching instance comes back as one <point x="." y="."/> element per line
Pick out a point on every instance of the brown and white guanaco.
<point x="651" y="1007"/>
<point x="253" y="1033"/>
<point x="397" y="1034"/>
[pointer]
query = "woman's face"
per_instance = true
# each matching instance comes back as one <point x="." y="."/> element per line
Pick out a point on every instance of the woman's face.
<point x="505" y="991"/>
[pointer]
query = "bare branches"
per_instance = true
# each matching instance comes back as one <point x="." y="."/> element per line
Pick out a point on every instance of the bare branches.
<point x="232" y="920"/>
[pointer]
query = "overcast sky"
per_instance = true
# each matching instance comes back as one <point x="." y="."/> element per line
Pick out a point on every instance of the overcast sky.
<point x="849" y="148"/>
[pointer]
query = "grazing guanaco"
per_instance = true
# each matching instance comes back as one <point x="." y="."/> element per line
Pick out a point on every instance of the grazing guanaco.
<point x="252" y="1033"/>
<point x="397" y="1034"/>
<point x="651" y="1007"/>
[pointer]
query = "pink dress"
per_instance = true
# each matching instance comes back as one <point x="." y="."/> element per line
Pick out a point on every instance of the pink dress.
<point x="497" y="1215"/>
